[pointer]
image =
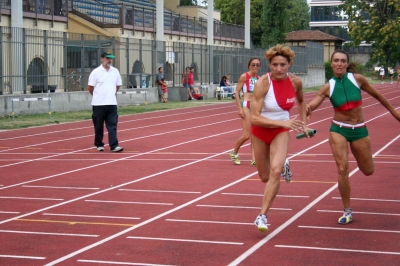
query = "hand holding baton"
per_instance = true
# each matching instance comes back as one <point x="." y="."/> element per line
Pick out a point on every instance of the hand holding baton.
<point x="311" y="132"/>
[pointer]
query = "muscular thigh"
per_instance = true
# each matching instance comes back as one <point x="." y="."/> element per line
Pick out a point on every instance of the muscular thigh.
<point x="278" y="150"/>
<point x="261" y="154"/>
<point x="361" y="150"/>
<point x="339" y="149"/>
<point x="246" y="123"/>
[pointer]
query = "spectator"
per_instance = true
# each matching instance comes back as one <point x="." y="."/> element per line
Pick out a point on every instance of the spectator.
<point x="103" y="84"/>
<point x="391" y="72"/>
<point x="185" y="81"/>
<point x="164" y="87"/>
<point x="160" y="76"/>
<point x="225" y="85"/>
<point x="192" y="89"/>
<point x="398" y="76"/>
<point x="382" y="73"/>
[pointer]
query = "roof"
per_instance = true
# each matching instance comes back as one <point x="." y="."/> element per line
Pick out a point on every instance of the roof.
<point x="311" y="35"/>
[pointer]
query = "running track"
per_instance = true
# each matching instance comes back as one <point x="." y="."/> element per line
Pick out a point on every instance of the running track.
<point x="173" y="197"/>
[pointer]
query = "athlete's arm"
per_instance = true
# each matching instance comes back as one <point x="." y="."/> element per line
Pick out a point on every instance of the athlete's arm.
<point x="239" y="87"/>
<point x="317" y="101"/>
<point x="301" y="105"/>
<point x="368" y="88"/>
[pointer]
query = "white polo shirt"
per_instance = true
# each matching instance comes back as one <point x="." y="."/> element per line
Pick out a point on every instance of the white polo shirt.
<point x="105" y="85"/>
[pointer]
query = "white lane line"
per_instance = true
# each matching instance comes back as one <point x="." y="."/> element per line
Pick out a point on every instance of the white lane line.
<point x="21" y="257"/>
<point x="370" y="213"/>
<point x="46" y="233"/>
<point x="91" y="216"/>
<point x="260" y="195"/>
<point x="185" y="240"/>
<point x="9" y="212"/>
<point x="90" y="127"/>
<point x="342" y="250"/>
<point x="26" y="198"/>
<point x="89" y="188"/>
<point x="132" y="156"/>
<point x="122" y="263"/>
<point x="121" y="130"/>
<point x="384" y="200"/>
<point x="159" y="191"/>
<point x="349" y="229"/>
<point x="129" y="202"/>
<point x="208" y="222"/>
<point x="149" y="220"/>
<point x="241" y="207"/>
<point x="259" y="244"/>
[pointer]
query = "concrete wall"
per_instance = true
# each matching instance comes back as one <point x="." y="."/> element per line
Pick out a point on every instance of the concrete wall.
<point x="70" y="101"/>
<point x="81" y="100"/>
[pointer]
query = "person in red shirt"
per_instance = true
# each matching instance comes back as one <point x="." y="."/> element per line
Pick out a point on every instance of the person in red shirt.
<point x="192" y="89"/>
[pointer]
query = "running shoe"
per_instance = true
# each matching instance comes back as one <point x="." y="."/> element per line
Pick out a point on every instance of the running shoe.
<point x="100" y="148"/>
<point x="261" y="223"/>
<point x="235" y="158"/>
<point x="253" y="162"/>
<point x="346" y="218"/>
<point x="287" y="174"/>
<point x="117" y="149"/>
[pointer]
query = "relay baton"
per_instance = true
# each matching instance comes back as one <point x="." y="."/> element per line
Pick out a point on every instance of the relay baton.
<point x="311" y="132"/>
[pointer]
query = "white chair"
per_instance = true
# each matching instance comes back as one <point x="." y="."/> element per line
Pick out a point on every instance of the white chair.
<point x="220" y="91"/>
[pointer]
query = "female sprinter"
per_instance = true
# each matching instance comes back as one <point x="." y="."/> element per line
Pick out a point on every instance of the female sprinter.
<point x="246" y="82"/>
<point x="344" y="92"/>
<point x="274" y="95"/>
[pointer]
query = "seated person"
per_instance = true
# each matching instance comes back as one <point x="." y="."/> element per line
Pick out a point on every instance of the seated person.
<point x="225" y="85"/>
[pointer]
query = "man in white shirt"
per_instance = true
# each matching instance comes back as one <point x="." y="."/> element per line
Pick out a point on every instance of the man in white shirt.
<point x="103" y="84"/>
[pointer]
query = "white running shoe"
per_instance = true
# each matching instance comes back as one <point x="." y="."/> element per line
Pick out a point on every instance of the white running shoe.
<point x="100" y="148"/>
<point x="287" y="174"/>
<point x="261" y="223"/>
<point x="117" y="149"/>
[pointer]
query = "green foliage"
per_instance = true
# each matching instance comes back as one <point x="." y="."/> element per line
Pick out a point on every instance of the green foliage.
<point x="328" y="71"/>
<point x="274" y="17"/>
<point x="378" y="24"/>
<point x="295" y="16"/>
<point x="188" y="2"/>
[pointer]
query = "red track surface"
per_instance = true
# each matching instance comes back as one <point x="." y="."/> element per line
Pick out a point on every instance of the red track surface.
<point x="173" y="197"/>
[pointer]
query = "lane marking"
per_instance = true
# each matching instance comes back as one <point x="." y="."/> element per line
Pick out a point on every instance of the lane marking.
<point x="46" y="233"/>
<point x="372" y="213"/>
<point x="209" y="222"/>
<point x="298" y="181"/>
<point x="384" y="200"/>
<point x="119" y="122"/>
<point x="185" y="240"/>
<point x="260" y="195"/>
<point x="241" y="207"/>
<point x="26" y="198"/>
<point x="259" y="244"/>
<point x="349" y="229"/>
<point x="22" y="257"/>
<point x="91" y="216"/>
<point x="122" y="263"/>
<point x="90" y="188"/>
<point x="70" y="222"/>
<point x="9" y="212"/>
<point x="130" y="202"/>
<point x="339" y="249"/>
<point x="161" y="191"/>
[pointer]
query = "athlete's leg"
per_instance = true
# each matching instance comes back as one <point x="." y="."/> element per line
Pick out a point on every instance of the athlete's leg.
<point x="339" y="149"/>
<point x="246" y="124"/>
<point x="361" y="150"/>
<point x="277" y="155"/>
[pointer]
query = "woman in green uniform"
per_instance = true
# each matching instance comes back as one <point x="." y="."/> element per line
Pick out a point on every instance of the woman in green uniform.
<point x="344" y="92"/>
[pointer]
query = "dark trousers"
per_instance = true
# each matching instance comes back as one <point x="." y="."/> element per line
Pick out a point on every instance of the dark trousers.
<point x="109" y="115"/>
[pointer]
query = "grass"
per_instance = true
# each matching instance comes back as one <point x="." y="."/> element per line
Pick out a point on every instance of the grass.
<point x="31" y="120"/>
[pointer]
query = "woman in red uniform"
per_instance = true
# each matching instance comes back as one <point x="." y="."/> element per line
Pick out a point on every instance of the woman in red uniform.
<point x="274" y="95"/>
<point x="246" y="82"/>
<point x="344" y="92"/>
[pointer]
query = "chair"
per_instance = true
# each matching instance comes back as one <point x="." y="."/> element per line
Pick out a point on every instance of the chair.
<point x="220" y="91"/>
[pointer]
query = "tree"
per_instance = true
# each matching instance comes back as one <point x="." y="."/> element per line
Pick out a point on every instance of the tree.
<point x="274" y="18"/>
<point x="297" y="11"/>
<point x="188" y="2"/>
<point x="376" y="22"/>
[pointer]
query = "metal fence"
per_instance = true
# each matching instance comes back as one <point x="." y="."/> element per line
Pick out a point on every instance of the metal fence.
<point x="33" y="61"/>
